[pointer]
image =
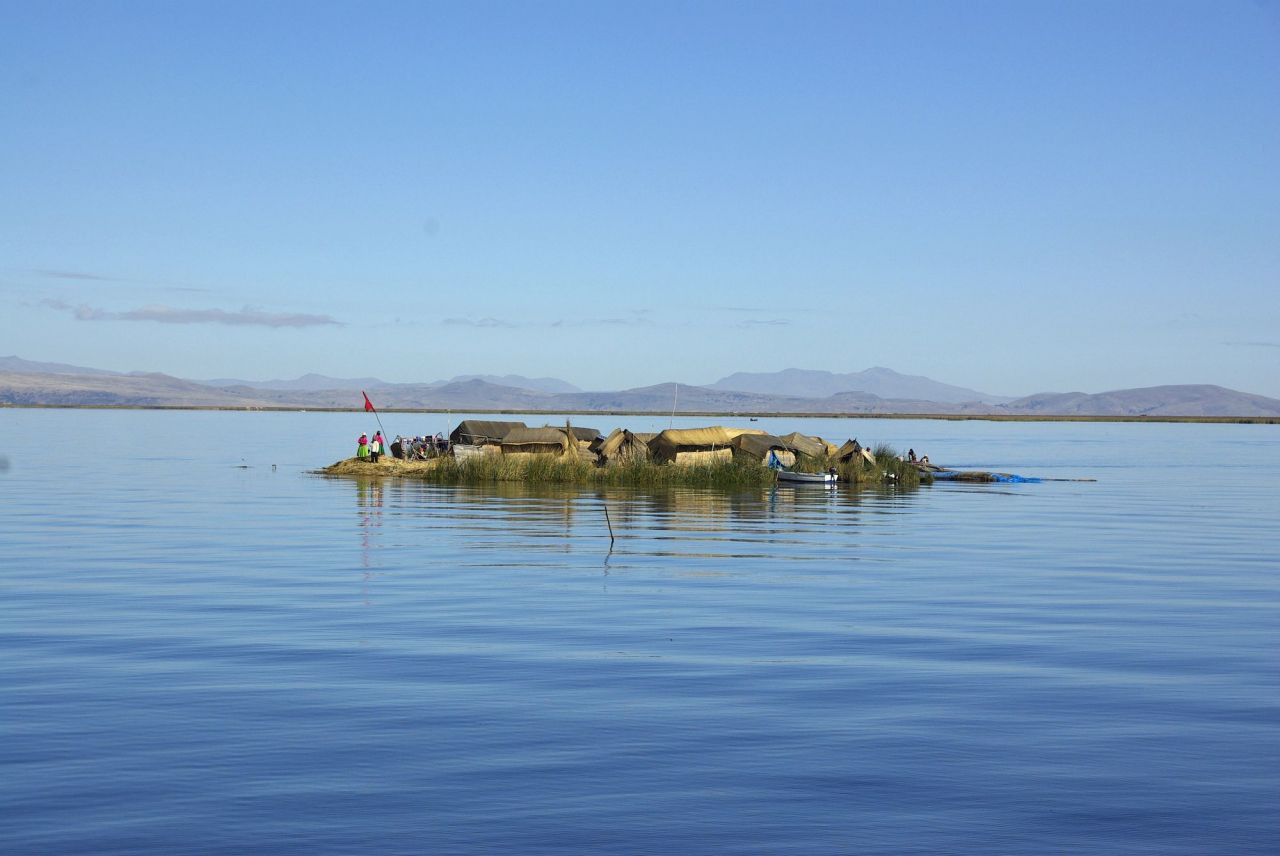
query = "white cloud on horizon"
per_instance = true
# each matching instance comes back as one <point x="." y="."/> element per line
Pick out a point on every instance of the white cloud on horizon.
<point x="248" y="316"/>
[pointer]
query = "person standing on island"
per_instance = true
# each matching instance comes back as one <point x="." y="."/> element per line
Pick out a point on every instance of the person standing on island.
<point x="375" y="447"/>
<point x="362" y="447"/>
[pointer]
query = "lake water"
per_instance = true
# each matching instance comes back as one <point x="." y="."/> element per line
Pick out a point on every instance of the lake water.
<point x="210" y="650"/>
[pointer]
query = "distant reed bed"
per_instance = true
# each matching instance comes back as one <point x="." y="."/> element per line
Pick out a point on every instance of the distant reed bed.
<point x="545" y="469"/>
<point x="549" y="469"/>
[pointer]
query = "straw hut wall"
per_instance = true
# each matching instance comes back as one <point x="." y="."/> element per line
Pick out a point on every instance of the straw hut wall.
<point x="482" y="432"/>
<point x="703" y="456"/>
<point x="537" y="441"/>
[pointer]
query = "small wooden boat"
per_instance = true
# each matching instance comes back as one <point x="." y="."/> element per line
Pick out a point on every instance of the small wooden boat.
<point x="792" y="477"/>
<point x="806" y="478"/>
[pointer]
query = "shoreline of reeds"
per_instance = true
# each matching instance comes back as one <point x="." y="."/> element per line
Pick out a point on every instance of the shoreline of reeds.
<point x="546" y="469"/>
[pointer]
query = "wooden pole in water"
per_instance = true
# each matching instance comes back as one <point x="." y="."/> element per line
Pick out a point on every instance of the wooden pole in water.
<point x="608" y="521"/>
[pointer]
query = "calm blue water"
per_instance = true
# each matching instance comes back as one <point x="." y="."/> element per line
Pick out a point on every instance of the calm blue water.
<point x="203" y="658"/>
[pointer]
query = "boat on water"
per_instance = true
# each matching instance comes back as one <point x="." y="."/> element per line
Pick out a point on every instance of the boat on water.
<point x="793" y="477"/>
<point x="806" y="478"/>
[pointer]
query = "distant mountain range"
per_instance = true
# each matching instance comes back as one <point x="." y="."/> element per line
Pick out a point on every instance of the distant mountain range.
<point x="313" y="382"/>
<point x="882" y="382"/>
<point x="874" y="391"/>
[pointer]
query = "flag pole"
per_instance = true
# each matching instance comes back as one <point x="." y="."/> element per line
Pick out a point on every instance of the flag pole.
<point x="369" y="408"/>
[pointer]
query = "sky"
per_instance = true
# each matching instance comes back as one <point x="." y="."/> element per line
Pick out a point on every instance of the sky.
<point x="1013" y="197"/>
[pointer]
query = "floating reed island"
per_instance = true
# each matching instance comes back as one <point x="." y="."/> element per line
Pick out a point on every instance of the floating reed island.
<point x="480" y="451"/>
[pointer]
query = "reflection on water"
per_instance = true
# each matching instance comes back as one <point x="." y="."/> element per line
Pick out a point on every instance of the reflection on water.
<point x="369" y="509"/>
<point x="230" y="660"/>
<point x="800" y="522"/>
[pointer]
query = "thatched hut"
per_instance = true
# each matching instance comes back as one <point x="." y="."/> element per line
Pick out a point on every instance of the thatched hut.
<point x="482" y="432"/>
<point x="537" y="441"/>
<point x="622" y="446"/>
<point x="692" y="445"/>
<point x="814" y="447"/>
<point x="584" y="439"/>
<point x="734" y="433"/>
<point x="852" y="450"/>
<point x="584" y="436"/>
<point x="755" y="448"/>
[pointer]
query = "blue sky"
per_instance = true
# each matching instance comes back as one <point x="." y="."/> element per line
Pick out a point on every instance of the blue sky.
<point x="1015" y="197"/>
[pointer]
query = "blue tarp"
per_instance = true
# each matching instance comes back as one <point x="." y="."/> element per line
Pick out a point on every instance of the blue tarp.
<point x="1004" y="478"/>
<point x="1009" y="477"/>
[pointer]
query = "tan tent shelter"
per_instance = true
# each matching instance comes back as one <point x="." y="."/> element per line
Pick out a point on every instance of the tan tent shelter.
<point x="480" y="432"/>
<point x="814" y="447"/>
<point x="537" y="441"/>
<point x="691" y="445"/>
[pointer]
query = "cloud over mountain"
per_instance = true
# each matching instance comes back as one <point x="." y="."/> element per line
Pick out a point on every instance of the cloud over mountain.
<point x="248" y="316"/>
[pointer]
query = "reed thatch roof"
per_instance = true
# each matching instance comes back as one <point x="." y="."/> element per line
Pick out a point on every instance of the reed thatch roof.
<point x="852" y="449"/>
<point x="814" y="447"/>
<point x="536" y="440"/>
<point x="758" y="444"/>
<point x="620" y="444"/>
<point x="600" y="441"/>
<point x="676" y="441"/>
<point x="692" y="438"/>
<point x="848" y="450"/>
<point x="478" y="432"/>
<point x="584" y="434"/>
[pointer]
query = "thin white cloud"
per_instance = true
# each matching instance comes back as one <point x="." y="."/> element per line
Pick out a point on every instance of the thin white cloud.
<point x="558" y="323"/>
<point x="478" y="322"/>
<point x="1253" y="344"/>
<point x="87" y="276"/>
<point x="75" y="274"/>
<point x="764" y="322"/>
<point x="603" y="322"/>
<point x="248" y="316"/>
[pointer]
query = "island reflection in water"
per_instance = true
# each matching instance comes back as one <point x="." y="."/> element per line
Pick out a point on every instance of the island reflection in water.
<point x="781" y="522"/>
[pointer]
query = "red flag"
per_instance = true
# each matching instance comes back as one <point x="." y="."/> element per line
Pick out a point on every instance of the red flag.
<point x="368" y="405"/>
